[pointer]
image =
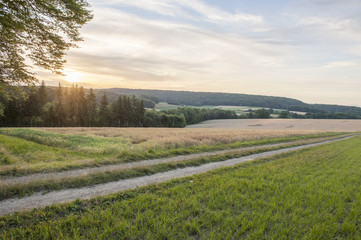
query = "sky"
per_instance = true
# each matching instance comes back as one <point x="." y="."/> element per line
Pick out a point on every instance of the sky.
<point x="304" y="49"/>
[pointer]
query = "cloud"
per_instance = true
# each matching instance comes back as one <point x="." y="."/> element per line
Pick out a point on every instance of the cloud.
<point x="190" y="9"/>
<point x="192" y="45"/>
<point x="118" y="35"/>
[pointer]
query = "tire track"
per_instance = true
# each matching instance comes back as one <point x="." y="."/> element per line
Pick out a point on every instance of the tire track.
<point x="41" y="200"/>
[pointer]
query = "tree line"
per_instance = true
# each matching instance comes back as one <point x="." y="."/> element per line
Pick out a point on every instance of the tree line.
<point x="183" y="116"/>
<point x="235" y="99"/>
<point x="40" y="106"/>
<point x="69" y="107"/>
<point x="266" y="113"/>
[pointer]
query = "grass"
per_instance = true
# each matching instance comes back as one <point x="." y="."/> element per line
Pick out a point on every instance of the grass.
<point x="19" y="190"/>
<point x="26" y="151"/>
<point x="308" y="194"/>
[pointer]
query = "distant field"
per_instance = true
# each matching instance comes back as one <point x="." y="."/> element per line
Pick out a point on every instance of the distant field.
<point x="240" y="110"/>
<point x="332" y="125"/>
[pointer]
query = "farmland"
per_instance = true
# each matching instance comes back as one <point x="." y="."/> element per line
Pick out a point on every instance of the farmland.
<point x="312" y="193"/>
<point x="332" y="125"/>
<point x="239" y="110"/>
<point x="25" y="151"/>
<point x="46" y="159"/>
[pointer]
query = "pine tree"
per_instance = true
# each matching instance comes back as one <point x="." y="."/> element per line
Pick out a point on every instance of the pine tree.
<point x="32" y="107"/>
<point x="82" y="108"/>
<point x="42" y="94"/>
<point x="73" y="105"/>
<point x="104" y="113"/>
<point x="59" y="107"/>
<point x="141" y="113"/>
<point x="91" y="108"/>
<point x="118" y="112"/>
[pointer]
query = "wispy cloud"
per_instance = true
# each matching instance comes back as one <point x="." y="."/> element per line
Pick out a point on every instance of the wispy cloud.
<point x="132" y="40"/>
<point x="192" y="9"/>
<point x="193" y="45"/>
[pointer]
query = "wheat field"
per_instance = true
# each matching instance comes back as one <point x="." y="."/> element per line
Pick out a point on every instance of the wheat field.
<point x="175" y="137"/>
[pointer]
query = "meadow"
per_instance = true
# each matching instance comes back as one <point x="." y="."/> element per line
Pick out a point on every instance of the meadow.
<point x="308" y="194"/>
<point x="47" y="159"/>
<point x="25" y="150"/>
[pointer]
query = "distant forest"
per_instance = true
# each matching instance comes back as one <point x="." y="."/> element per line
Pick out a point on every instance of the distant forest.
<point x="232" y="99"/>
<point x="41" y="106"/>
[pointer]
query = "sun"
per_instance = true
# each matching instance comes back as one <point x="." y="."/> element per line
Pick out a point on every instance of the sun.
<point x="72" y="76"/>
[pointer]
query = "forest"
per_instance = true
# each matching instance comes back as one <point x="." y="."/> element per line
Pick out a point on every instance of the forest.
<point x="41" y="106"/>
<point x="235" y="99"/>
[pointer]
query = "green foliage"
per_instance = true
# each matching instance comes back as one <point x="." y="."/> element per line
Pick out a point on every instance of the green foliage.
<point x="308" y="194"/>
<point x="67" y="107"/>
<point x="162" y="119"/>
<point x="284" y="114"/>
<point x="196" y="115"/>
<point x="40" y="31"/>
<point x="148" y="103"/>
<point x="261" y="113"/>
<point x="2" y="107"/>
<point x="233" y="99"/>
<point x="183" y="116"/>
<point x="152" y="98"/>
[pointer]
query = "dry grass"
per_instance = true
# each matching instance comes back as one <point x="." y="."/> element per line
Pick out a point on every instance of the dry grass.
<point x="170" y="137"/>
<point x="30" y="150"/>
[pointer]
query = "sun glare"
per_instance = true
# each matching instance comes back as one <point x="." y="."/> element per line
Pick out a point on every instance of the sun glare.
<point x="72" y="76"/>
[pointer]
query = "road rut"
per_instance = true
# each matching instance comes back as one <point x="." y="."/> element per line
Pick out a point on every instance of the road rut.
<point x="41" y="200"/>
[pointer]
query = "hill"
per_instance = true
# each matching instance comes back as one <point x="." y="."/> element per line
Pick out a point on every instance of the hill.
<point x="234" y="99"/>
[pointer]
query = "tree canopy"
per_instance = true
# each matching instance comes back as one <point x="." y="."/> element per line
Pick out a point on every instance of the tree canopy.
<point x="37" y="32"/>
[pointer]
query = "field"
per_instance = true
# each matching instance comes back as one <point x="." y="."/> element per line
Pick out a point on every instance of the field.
<point x="308" y="194"/>
<point x="47" y="159"/>
<point x="332" y="125"/>
<point x="239" y="110"/>
<point x="26" y="151"/>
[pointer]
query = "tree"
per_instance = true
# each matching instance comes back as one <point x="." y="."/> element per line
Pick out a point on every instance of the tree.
<point x="284" y="114"/>
<point x="59" y="107"/>
<point x="42" y="94"/>
<point x="91" y="107"/>
<point x="82" y="108"/>
<point x="40" y="31"/>
<point x="261" y="113"/>
<point x="104" y="112"/>
<point x="32" y="107"/>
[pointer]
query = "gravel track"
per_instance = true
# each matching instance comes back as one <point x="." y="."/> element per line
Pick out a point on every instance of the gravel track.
<point x="122" y="166"/>
<point x="41" y="200"/>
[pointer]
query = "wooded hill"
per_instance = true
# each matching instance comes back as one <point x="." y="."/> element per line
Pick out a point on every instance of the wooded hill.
<point x="234" y="99"/>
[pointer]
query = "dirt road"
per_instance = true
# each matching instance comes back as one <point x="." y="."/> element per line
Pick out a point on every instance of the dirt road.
<point x="42" y="200"/>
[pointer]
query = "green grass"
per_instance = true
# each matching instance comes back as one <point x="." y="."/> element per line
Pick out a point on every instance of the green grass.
<point x="86" y="144"/>
<point x="26" y="151"/>
<point x="308" y="194"/>
<point x="19" y="190"/>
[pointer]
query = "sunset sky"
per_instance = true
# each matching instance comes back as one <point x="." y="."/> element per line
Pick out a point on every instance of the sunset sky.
<point x="304" y="49"/>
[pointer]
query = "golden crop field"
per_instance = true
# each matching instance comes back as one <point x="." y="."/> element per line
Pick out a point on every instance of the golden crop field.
<point x="49" y="149"/>
<point x="177" y="137"/>
<point x="329" y="125"/>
